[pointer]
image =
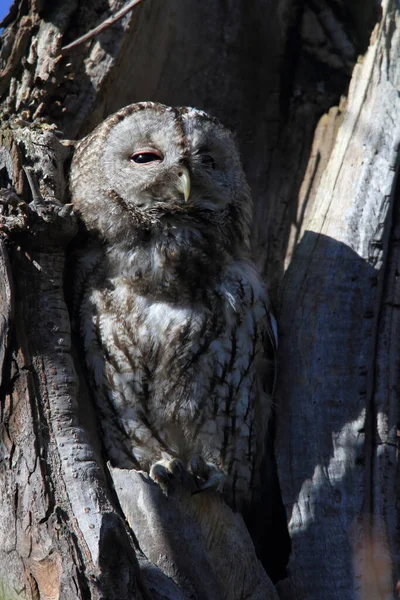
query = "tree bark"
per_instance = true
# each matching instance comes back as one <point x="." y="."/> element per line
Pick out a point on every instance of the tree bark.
<point x="322" y="163"/>
<point x="337" y="414"/>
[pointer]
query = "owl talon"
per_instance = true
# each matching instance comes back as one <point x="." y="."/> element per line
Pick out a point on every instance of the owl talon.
<point x="207" y="476"/>
<point x="199" y="467"/>
<point x="177" y="469"/>
<point x="164" y="472"/>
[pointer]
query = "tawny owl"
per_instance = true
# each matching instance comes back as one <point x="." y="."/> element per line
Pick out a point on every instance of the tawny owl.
<point x="175" y="322"/>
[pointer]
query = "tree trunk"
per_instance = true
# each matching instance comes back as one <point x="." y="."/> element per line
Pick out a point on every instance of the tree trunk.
<point x="337" y="415"/>
<point x="321" y="159"/>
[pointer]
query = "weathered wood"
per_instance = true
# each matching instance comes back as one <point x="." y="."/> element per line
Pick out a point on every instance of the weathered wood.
<point x="6" y="305"/>
<point x="337" y="437"/>
<point x="194" y="538"/>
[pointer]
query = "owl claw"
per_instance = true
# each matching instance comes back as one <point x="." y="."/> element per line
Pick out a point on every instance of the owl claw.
<point x="164" y="472"/>
<point x="167" y="473"/>
<point x="176" y="468"/>
<point x="207" y="476"/>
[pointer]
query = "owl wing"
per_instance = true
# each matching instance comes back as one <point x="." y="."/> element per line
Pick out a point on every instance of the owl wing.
<point x="265" y="517"/>
<point x="270" y="347"/>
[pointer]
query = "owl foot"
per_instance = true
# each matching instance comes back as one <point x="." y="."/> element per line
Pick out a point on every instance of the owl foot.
<point x="166" y="472"/>
<point x="207" y="475"/>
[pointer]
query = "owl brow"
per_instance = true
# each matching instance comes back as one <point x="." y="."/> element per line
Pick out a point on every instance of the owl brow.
<point x="182" y="141"/>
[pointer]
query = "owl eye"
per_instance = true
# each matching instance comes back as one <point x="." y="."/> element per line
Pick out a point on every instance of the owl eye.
<point x="208" y="161"/>
<point x="142" y="158"/>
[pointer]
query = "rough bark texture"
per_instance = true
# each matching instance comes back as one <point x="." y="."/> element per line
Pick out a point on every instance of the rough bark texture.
<point x="337" y="415"/>
<point x="322" y="164"/>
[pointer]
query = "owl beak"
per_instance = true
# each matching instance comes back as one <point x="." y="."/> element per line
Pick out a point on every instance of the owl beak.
<point x="184" y="182"/>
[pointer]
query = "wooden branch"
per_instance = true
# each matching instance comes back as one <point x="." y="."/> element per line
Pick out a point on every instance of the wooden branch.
<point x="6" y="305"/>
<point x="194" y="538"/>
<point x="104" y="25"/>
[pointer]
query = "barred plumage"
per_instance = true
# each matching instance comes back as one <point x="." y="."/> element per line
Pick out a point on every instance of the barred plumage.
<point x="174" y="319"/>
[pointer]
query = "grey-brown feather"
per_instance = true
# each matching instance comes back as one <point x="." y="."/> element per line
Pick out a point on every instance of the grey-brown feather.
<point x="174" y="318"/>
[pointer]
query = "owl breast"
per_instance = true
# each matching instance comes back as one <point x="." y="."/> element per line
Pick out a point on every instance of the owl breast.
<point x="184" y="379"/>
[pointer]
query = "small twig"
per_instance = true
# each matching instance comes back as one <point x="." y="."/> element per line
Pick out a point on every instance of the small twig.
<point x="33" y="184"/>
<point x="104" y="25"/>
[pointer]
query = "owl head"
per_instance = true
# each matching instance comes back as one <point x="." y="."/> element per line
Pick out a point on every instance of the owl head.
<point x="151" y="169"/>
